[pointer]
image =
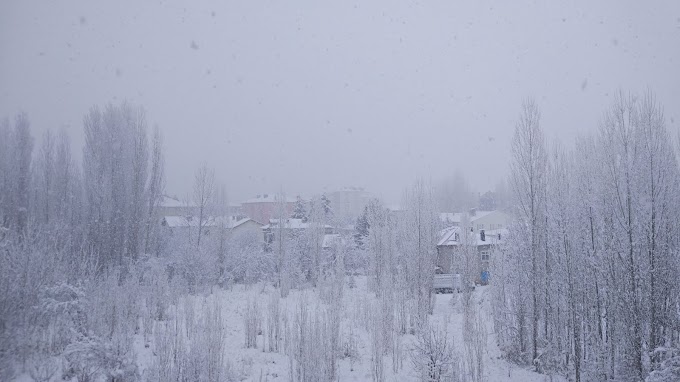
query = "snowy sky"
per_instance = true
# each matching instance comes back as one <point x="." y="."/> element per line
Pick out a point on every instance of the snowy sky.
<point x="311" y="95"/>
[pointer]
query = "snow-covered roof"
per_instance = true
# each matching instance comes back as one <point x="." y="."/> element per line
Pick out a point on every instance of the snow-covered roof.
<point x="451" y="236"/>
<point x="269" y="198"/>
<point x="291" y="224"/>
<point x="457" y="217"/>
<point x="176" y="221"/>
<point x="191" y="221"/>
<point x="330" y="240"/>
<point x="230" y="222"/>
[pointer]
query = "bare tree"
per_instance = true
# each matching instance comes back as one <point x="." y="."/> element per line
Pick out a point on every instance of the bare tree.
<point x="281" y="237"/>
<point x="45" y="176"/>
<point x="598" y="233"/>
<point x="155" y="189"/>
<point x="23" y="149"/>
<point x="529" y="166"/>
<point x="453" y="193"/>
<point x="433" y="356"/>
<point x="115" y="163"/>
<point x="204" y="192"/>
<point x="136" y="118"/>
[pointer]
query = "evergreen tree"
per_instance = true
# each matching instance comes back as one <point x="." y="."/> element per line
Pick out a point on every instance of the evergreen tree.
<point x="326" y="205"/>
<point x="300" y="211"/>
<point x="361" y="229"/>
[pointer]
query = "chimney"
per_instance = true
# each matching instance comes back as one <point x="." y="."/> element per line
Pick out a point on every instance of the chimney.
<point x="473" y="211"/>
<point x="482" y="235"/>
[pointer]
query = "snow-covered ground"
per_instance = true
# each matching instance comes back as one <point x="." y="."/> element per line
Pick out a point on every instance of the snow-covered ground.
<point x="188" y="319"/>
<point x="496" y="367"/>
<point x="255" y="364"/>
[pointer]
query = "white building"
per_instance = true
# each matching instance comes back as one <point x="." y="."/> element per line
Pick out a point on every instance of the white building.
<point x="184" y="226"/>
<point x="172" y="206"/>
<point x="349" y="203"/>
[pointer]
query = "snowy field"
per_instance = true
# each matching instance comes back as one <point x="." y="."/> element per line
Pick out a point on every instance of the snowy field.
<point x="259" y="364"/>
<point x="192" y="325"/>
<point x="354" y="361"/>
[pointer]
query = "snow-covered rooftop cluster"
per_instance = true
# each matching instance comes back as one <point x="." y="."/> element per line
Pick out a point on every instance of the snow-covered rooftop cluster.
<point x="270" y="198"/>
<point x="291" y="223"/>
<point x="192" y="221"/>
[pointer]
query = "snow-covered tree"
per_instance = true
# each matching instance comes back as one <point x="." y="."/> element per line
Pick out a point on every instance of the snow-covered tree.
<point x="299" y="210"/>
<point x="361" y="230"/>
<point x="115" y="163"/>
<point x="203" y="197"/>
<point x="326" y="206"/>
<point x="594" y="241"/>
<point x="529" y="168"/>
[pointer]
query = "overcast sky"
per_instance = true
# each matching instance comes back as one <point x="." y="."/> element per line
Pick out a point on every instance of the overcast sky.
<point x="310" y="96"/>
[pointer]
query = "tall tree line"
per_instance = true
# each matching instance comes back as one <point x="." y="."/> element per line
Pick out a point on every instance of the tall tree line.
<point x="16" y="150"/>
<point x="587" y="284"/>
<point x="65" y="223"/>
<point x="117" y="188"/>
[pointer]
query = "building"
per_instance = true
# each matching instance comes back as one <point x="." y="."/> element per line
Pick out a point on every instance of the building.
<point x="172" y="206"/>
<point x="294" y="225"/>
<point x="264" y="207"/>
<point x="185" y="226"/>
<point x="477" y="220"/>
<point x="483" y="243"/>
<point x="290" y="227"/>
<point x="332" y="245"/>
<point x="348" y="203"/>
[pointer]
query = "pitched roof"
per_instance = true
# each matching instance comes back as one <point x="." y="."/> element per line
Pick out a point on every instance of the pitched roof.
<point x="451" y="237"/>
<point x="190" y="221"/>
<point x="457" y="217"/>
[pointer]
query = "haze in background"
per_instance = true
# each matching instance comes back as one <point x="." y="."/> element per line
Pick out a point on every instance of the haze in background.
<point x="307" y="97"/>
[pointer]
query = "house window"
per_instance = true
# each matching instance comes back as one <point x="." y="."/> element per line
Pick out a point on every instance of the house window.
<point x="485" y="255"/>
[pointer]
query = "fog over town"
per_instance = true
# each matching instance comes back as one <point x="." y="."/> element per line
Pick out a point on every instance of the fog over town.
<point x="306" y="191"/>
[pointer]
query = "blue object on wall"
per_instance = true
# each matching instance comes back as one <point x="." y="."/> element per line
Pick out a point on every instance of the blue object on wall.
<point x="485" y="277"/>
